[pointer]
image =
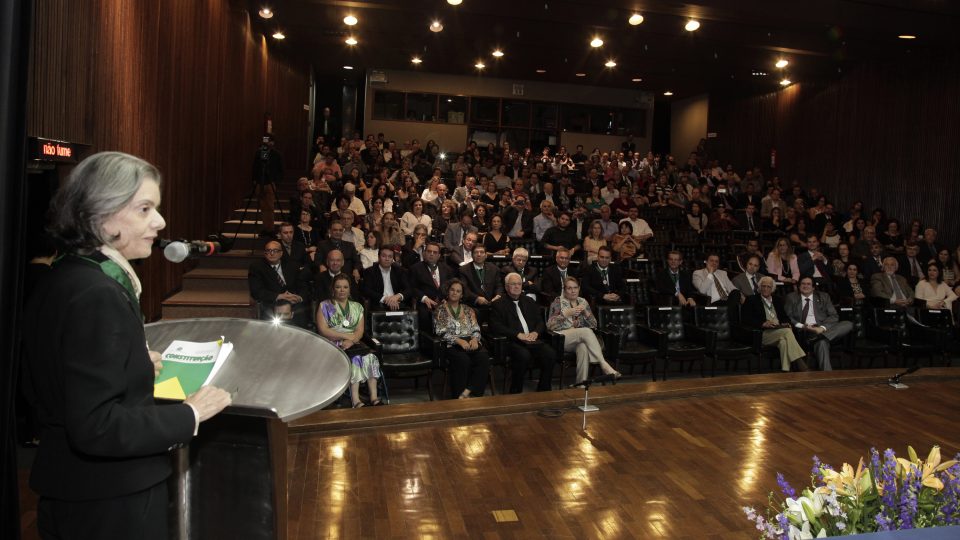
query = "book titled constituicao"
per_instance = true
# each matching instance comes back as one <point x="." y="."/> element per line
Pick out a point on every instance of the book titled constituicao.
<point x="188" y="365"/>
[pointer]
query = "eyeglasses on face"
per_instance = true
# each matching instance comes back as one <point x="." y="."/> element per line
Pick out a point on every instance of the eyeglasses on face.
<point x="273" y="251"/>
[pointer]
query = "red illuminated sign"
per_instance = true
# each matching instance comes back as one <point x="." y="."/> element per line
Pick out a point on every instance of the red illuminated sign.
<point x="50" y="150"/>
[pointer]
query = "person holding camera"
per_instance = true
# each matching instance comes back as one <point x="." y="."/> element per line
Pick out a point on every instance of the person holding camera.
<point x="267" y="172"/>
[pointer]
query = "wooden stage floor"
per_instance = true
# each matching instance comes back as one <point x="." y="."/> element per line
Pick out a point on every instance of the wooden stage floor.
<point x="672" y="459"/>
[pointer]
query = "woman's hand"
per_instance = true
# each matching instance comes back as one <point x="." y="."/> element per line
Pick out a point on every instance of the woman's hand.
<point x="346" y="343"/>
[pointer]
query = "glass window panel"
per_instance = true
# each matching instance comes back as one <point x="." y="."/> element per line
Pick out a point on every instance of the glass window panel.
<point x="634" y="121"/>
<point x="519" y="139"/>
<point x="485" y="111"/>
<point x="453" y="109"/>
<point x="515" y="113"/>
<point x="602" y="120"/>
<point x="576" y="118"/>
<point x="539" y="139"/>
<point x="388" y="105"/>
<point x="545" y="116"/>
<point x="422" y="107"/>
<point x="482" y="136"/>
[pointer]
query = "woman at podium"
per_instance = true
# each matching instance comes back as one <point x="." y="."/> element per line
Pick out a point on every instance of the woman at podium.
<point x="340" y="320"/>
<point x="102" y="464"/>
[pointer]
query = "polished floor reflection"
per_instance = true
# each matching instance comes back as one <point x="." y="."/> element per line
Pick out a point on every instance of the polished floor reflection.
<point x="673" y="468"/>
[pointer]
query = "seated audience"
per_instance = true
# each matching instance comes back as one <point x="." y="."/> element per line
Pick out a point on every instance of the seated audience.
<point x="481" y="279"/>
<point x="340" y="320"/>
<point x="782" y="263"/>
<point x="912" y="267"/>
<point x="561" y="236"/>
<point x="517" y="219"/>
<point x="463" y="253"/>
<point x="412" y="252"/>
<point x="889" y="286"/>
<point x="593" y="241"/>
<point x="371" y="250"/>
<point x="551" y="283"/>
<point x="603" y="281"/>
<point x="456" y="324"/>
<point x="426" y="280"/>
<point x="544" y="220"/>
<point x="496" y="241"/>
<point x="519" y="266"/>
<point x="271" y="279"/>
<point x="675" y="282"/>
<point x="518" y="318"/>
<point x="933" y="291"/>
<point x="384" y="284"/>
<point x="323" y="279"/>
<point x="414" y="217"/>
<point x="850" y="289"/>
<point x="293" y="251"/>
<point x="748" y="282"/>
<point x="570" y="315"/>
<point x="624" y="243"/>
<point x="456" y="232"/>
<point x="713" y="282"/>
<point x="873" y="262"/>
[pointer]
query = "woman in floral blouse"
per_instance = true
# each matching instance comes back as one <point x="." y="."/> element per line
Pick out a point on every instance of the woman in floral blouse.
<point x="456" y="324"/>
<point x="570" y="315"/>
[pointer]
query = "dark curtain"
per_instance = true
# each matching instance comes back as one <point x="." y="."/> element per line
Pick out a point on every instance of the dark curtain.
<point x="15" y="24"/>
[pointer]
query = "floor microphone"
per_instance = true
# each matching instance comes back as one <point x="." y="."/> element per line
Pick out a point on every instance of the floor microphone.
<point x="179" y="250"/>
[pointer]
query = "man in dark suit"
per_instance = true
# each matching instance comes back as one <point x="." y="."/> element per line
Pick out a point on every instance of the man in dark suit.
<point x="293" y="252"/>
<point x="912" y="266"/>
<point x="270" y="279"/>
<point x="752" y="248"/>
<point x="812" y="313"/>
<point x="482" y="279"/>
<point x="551" y="284"/>
<point x="456" y="232"/>
<point x="751" y="219"/>
<point x="426" y="282"/>
<point x="765" y="311"/>
<point x="675" y="281"/>
<point x="748" y="282"/>
<point x="749" y="196"/>
<point x="463" y="252"/>
<point x="827" y="216"/>
<point x="873" y="262"/>
<point x="351" y="259"/>
<point x="813" y="263"/>
<point x="929" y="248"/>
<point x="384" y="284"/>
<point x="603" y="281"/>
<point x="519" y="319"/>
<point x="520" y="266"/>
<point x="323" y="279"/>
<point x="517" y="220"/>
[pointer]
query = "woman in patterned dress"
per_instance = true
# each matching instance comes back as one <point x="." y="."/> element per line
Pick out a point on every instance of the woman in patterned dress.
<point x="340" y="320"/>
<point x="456" y="324"/>
<point x="570" y="315"/>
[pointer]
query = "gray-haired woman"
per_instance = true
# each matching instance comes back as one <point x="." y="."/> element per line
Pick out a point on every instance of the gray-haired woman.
<point x="101" y="467"/>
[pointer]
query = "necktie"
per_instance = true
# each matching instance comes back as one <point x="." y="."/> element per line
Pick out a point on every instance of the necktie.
<point x="523" y="322"/>
<point x="283" y="282"/>
<point x="603" y="276"/>
<point x="806" y="311"/>
<point x="897" y="291"/>
<point x="436" y="276"/>
<point x="720" y="290"/>
<point x="675" y="276"/>
<point x="749" y="223"/>
<point x="480" y="275"/>
<point x="916" y="267"/>
<point x="756" y="284"/>
<point x="563" y="275"/>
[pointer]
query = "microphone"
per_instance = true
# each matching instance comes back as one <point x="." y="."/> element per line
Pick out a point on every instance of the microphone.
<point x="179" y="250"/>
<point x="895" y="380"/>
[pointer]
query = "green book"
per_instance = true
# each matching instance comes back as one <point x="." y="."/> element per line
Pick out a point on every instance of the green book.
<point x="188" y="365"/>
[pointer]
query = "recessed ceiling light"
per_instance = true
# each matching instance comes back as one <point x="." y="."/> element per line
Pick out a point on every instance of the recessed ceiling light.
<point x="668" y="93"/>
<point x="266" y="13"/>
<point x="541" y="71"/>
<point x="781" y="63"/>
<point x="636" y="79"/>
<point x="580" y="74"/>
<point x="479" y="65"/>
<point x="611" y="64"/>
<point x="596" y="42"/>
<point x="759" y="73"/>
<point x="279" y="35"/>
<point x="416" y="60"/>
<point x="692" y="25"/>
<point x="350" y="40"/>
<point x="786" y="82"/>
<point x="498" y="53"/>
<point x="635" y="19"/>
<point x="454" y="2"/>
<point x="350" y="20"/>
<point x="907" y="36"/>
<point x="449" y="100"/>
<point x="347" y="67"/>
<point x="435" y="26"/>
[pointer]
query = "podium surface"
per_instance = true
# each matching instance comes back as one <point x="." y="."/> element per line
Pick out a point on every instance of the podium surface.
<point x="275" y="370"/>
<point x="231" y="480"/>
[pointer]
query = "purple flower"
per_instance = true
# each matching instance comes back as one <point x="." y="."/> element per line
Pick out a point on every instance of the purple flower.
<point x="950" y="495"/>
<point x="908" y="499"/>
<point x="788" y="492"/>
<point x="815" y="470"/>
<point x="784" y="526"/>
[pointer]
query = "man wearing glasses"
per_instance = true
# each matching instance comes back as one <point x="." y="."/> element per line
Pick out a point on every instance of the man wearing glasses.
<point x="271" y="279"/>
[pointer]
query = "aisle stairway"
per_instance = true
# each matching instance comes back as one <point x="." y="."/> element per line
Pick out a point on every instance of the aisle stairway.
<point x="217" y="287"/>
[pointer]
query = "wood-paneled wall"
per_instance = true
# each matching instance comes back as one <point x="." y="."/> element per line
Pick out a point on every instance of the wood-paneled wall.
<point x="887" y="134"/>
<point x="184" y="84"/>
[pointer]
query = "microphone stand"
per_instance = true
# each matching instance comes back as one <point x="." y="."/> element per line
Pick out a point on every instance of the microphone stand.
<point x="585" y="384"/>
<point x="894" y="381"/>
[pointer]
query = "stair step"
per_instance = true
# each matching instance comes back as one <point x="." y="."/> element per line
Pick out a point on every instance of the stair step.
<point x="236" y="258"/>
<point x="208" y="303"/>
<point x="246" y="241"/>
<point x="216" y="279"/>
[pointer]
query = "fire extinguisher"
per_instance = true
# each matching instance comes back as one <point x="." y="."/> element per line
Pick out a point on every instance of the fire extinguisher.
<point x="773" y="158"/>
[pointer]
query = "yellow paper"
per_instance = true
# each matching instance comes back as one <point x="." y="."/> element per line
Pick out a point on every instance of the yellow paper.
<point x="169" y="389"/>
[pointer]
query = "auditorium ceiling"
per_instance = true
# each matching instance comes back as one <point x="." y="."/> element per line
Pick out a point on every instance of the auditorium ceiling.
<point x="734" y="50"/>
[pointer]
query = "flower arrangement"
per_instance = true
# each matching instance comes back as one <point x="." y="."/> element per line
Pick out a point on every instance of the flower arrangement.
<point x="890" y="493"/>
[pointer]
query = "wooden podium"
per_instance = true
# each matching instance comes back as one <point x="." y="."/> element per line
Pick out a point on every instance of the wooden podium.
<point x="231" y="480"/>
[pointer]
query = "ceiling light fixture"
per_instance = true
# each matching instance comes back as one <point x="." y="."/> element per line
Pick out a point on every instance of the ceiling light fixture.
<point x="350" y="40"/>
<point x="279" y="35"/>
<point x="786" y="82"/>
<point x="350" y="20"/>
<point x="347" y="67"/>
<point x="781" y="63"/>
<point x="541" y="71"/>
<point x="635" y="19"/>
<point x="416" y="60"/>
<point x="454" y="2"/>
<point x="596" y="42"/>
<point x="611" y="64"/>
<point x="479" y="65"/>
<point x="692" y="25"/>
<point x="907" y="36"/>
<point x="266" y="13"/>
<point x="668" y="93"/>
<point x="435" y="26"/>
<point x="636" y="79"/>
<point x="498" y="53"/>
<point x="580" y="74"/>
